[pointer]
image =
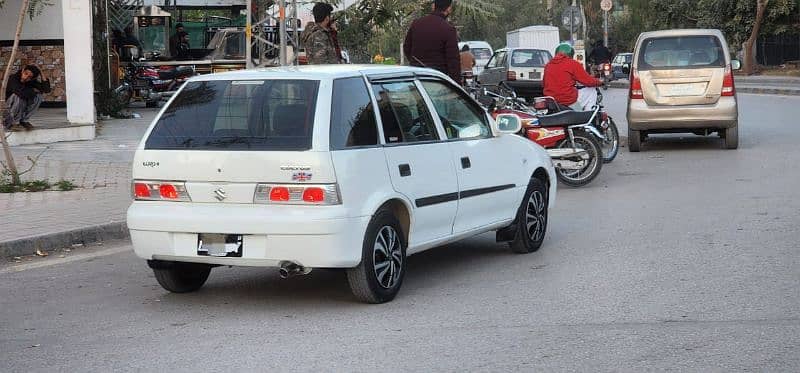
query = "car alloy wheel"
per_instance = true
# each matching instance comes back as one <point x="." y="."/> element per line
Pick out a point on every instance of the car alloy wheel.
<point x="387" y="256"/>
<point x="536" y="216"/>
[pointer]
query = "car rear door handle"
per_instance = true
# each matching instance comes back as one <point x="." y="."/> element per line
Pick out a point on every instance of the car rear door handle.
<point x="465" y="163"/>
<point x="405" y="170"/>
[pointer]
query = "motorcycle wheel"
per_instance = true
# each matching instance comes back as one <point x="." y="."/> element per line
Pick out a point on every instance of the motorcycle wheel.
<point x="610" y="143"/>
<point x="124" y="94"/>
<point x="591" y="167"/>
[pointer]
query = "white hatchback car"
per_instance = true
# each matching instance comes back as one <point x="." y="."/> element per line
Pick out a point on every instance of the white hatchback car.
<point x="350" y="167"/>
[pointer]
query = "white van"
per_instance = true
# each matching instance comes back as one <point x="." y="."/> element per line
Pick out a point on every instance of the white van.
<point x="329" y="166"/>
<point x="482" y="52"/>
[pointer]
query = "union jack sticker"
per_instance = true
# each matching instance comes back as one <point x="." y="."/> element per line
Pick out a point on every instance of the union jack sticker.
<point x="301" y="176"/>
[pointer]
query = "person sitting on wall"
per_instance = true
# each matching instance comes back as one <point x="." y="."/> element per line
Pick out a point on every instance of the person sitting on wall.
<point x="182" y="48"/>
<point x="175" y="39"/>
<point x="24" y="93"/>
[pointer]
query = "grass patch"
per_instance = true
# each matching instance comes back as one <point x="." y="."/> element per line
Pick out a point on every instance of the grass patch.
<point x="65" y="185"/>
<point x="35" y="186"/>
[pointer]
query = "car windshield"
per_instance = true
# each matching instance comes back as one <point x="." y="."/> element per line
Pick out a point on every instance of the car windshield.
<point x="529" y="58"/>
<point x="238" y="115"/>
<point x="681" y="52"/>
<point x="481" y="53"/>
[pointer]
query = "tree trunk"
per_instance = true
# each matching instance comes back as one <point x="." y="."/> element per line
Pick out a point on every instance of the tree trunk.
<point x="12" y="166"/>
<point x="749" y="57"/>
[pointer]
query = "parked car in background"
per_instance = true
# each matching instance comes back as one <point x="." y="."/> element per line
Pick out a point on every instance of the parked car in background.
<point x="520" y="68"/>
<point x="329" y="166"/>
<point x="482" y="52"/>
<point x="682" y="81"/>
<point x="620" y="60"/>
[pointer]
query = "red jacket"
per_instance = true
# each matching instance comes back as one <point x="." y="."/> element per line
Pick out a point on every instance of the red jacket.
<point x="433" y="42"/>
<point x="560" y="75"/>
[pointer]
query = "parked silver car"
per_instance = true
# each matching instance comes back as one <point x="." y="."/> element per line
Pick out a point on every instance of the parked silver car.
<point x="520" y="68"/>
<point x="682" y="81"/>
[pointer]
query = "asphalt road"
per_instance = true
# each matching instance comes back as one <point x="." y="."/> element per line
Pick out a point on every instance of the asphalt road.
<point x="681" y="257"/>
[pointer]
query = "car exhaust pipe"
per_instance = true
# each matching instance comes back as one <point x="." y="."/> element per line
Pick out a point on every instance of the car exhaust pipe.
<point x="291" y="269"/>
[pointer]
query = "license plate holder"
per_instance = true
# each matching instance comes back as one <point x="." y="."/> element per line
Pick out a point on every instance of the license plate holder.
<point x="220" y="245"/>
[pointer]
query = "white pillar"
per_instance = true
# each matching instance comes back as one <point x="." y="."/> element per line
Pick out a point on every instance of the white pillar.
<point x="78" y="74"/>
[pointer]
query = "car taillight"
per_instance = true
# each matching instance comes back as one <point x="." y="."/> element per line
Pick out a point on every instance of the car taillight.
<point x="297" y="194"/>
<point x="636" y="86"/>
<point x="728" y="88"/>
<point x="160" y="191"/>
<point x="511" y="75"/>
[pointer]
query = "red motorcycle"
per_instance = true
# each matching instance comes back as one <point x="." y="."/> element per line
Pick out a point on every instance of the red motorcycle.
<point x="569" y="137"/>
<point x="150" y="84"/>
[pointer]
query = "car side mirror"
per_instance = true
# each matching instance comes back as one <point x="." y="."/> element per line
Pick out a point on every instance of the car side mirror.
<point x="626" y="68"/>
<point x="736" y="65"/>
<point x="508" y="123"/>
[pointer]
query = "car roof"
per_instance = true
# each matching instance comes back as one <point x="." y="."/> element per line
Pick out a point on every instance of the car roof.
<point x="316" y="72"/>
<point x="680" y="32"/>
<point x="517" y="48"/>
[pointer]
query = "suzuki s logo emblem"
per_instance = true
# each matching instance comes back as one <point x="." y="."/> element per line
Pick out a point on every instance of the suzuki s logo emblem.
<point x="219" y="194"/>
<point x="301" y="176"/>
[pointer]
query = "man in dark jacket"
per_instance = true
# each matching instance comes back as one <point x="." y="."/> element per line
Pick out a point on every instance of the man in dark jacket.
<point x="318" y="37"/>
<point x="560" y="76"/>
<point x="433" y="42"/>
<point x="24" y="94"/>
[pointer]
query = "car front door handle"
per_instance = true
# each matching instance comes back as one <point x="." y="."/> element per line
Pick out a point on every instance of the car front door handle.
<point x="405" y="170"/>
<point x="465" y="163"/>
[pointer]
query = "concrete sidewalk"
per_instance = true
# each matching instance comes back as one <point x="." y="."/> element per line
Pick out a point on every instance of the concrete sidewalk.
<point x="95" y="211"/>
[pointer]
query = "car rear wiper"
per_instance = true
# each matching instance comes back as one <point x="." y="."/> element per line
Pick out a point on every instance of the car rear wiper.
<point x="229" y="140"/>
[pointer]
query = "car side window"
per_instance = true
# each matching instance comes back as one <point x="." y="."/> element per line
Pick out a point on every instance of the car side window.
<point x="460" y="117"/>
<point x="352" y="117"/>
<point x="404" y="114"/>
<point x="492" y="61"/>
<point x="501" y="59"/>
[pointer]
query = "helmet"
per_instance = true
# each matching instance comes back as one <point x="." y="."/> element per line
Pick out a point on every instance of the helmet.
<point x="566" y="49"/>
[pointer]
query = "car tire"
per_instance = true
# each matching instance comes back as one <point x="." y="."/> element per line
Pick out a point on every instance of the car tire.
<point x="634" y="140"/>
<point x="732" y="137"/>
<point x="531" y="219"/>
<point x="384" y="244"/>
<point x="182" y="277"/>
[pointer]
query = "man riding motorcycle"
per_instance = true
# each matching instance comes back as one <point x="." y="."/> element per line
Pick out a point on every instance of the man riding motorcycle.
<point x="560" y="76"/>
<point x="600" y="54"/>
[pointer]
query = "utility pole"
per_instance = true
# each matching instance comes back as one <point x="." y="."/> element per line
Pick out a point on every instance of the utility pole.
<point x="572" y="22"/>
<point x="282" y="31"/>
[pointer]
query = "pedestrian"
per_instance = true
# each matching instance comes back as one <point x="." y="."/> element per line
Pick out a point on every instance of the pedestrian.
<point x="432" y="42"/>
<point x="175" y="40"/>
<point x="318" y="36"/>
<point x="467" y="59"/>
<point x="24" y="93"/>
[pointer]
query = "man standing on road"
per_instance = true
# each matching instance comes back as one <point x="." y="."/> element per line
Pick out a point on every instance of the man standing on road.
<point x="467" y="59"/>
<point x="433" y="42"/>
<point x="560" y="76"/>
<point x="175" y="40"/>
<point x="318" y="38"/>
<point x="24" y="94"/>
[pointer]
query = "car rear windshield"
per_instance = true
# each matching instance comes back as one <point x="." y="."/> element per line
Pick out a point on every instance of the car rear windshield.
<point x="529" y="58"/>
<point x="681" y="52"/>
<point x="481" y="53"/>
<point x="238" y="115"/>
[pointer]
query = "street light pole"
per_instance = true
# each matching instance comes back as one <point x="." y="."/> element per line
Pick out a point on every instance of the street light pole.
<point x="605" y="28"/>
<point x="572" y="22"/>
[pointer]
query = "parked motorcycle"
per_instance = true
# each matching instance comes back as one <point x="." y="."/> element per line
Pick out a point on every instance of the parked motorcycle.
<point x="603" y="123"/>
<point x="569" y="137"/>
<point x="150" y="84"/>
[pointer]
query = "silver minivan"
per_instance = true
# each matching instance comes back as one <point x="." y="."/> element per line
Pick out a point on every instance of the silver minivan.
<point x="682" y="81"/>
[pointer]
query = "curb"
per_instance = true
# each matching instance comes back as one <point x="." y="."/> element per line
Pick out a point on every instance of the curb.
<point x="52" y="241"/>
<point x="763" y="91"/>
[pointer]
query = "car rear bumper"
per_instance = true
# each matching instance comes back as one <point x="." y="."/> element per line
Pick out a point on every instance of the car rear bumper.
<point x="169" y="231"/>
<point x="723" y="114"/>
